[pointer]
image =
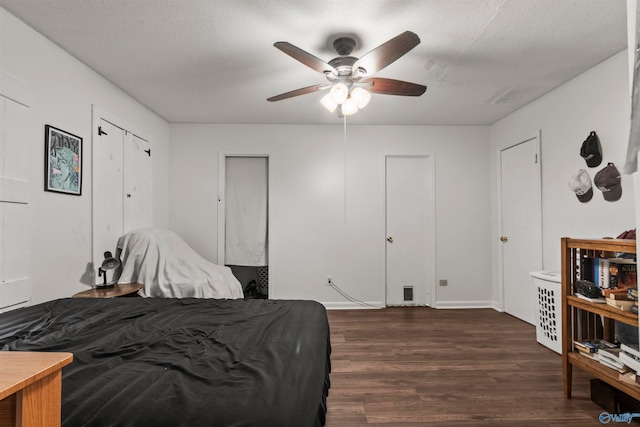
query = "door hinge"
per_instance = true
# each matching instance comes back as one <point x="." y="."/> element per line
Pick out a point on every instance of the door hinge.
<point x="101" y="132"/>
<point x="148" y="152"/>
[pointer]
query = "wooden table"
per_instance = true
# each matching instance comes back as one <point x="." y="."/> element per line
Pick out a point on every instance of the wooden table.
<point x="115" y="291"/>
<point x="31" y="388"/>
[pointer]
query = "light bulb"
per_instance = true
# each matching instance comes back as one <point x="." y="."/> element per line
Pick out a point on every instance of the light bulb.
<point x="361" y="96"/>
<point x="349" y="107"/>
<point x="339" y="93"/>
<point x="328" y="103"/>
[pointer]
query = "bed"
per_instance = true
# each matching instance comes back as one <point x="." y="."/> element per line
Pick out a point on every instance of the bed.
<point x="182" y="362"/>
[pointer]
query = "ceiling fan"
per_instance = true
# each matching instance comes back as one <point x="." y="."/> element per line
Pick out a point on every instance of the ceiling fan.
<point x="350" y="82"/>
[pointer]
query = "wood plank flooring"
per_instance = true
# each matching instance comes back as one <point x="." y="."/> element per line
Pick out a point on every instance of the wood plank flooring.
<point x="417" y="366"/>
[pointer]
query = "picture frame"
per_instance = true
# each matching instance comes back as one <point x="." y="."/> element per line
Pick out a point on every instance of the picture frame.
<point x="62" y="161"/>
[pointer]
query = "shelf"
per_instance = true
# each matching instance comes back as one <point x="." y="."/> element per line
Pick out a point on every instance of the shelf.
<point x="604" y="373"/>
<point x="571" y="250"/>
<point x="604" y="310"/>
<point x="606" y="245"/>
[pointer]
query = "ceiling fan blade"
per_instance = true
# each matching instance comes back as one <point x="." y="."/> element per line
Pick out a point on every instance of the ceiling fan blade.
<point x="386" y="53"/>
<point x="394" y="87"/>
<point x="306" y="58"/>
<point x="298" y="92"/>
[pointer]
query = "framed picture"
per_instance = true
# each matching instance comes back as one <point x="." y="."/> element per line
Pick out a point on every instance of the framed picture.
<point x="63" y="161"/>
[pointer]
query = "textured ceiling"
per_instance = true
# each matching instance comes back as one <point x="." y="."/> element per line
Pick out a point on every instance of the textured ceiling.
<point x="213" y="61"/>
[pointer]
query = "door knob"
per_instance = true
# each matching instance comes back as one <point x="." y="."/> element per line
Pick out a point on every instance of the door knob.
<point x="503" y="239"/>
<point x="390" y="239"/>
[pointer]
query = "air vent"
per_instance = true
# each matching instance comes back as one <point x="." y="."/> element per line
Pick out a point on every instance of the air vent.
<point x="408" y="293"/>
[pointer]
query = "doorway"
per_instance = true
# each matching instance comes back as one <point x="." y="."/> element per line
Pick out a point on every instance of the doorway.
<point x="521" y="226"/>
<point x="410" y="230"/>
<point x="243" y="221"/>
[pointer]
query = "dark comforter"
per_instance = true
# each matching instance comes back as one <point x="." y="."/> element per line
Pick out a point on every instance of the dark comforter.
<point x="182" y="362"/>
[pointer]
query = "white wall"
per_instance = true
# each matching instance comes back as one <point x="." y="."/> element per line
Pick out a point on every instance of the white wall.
<point x="310" y="235"/>
<point x="596" y="100"/>
<point x="63" y="92"/>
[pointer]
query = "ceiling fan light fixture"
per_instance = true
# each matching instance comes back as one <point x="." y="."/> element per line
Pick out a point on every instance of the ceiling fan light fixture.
<point x="328" y="103"/>
<point x="361" y="97"/>
<point x="349" y="107"/>
<point x="339" y="93"/>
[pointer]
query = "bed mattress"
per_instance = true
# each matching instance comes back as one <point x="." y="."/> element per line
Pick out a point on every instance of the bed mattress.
<point x="182" y="362"/>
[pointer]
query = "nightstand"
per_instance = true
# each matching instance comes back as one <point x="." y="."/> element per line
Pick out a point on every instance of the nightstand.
<point x="115" y="291"/>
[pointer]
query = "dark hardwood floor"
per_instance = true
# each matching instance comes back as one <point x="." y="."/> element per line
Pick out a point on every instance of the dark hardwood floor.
<point x="418" y="366"/>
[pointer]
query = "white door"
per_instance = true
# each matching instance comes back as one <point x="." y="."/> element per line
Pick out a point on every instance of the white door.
<point x="107" y="191"/>
<point x="521" y="238"/>
<point x="407" y="230"/>
<point x="121" y="186"/>
<point x="138" y="201"/>
<point x="15" y="283"/>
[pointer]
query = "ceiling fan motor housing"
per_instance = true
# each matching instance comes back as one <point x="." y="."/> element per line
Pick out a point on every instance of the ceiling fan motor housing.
<point x="344" y="45"/>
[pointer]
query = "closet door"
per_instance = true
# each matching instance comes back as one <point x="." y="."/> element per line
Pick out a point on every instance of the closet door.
<point x="122" y="187"/>
<point x="107" y="191"/>
<point x="15" y="284"/>
<point x="137" y="183"/>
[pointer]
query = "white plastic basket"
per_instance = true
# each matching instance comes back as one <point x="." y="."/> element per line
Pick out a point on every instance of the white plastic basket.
<point x="548" y="310"/>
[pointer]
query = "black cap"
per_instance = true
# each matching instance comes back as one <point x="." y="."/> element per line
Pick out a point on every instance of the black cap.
<point x="591" y="150"/>
<point x="609" y="182"/>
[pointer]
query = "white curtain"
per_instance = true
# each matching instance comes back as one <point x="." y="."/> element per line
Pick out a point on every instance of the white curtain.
<point x="246" y="211"/>
<point x="633" y="148"/>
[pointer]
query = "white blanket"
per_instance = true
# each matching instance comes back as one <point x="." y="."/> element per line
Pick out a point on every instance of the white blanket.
<point x="168" y="267"/>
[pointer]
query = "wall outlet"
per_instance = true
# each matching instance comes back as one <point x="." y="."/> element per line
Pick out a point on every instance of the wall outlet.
<point x="329" y="281"/>
<point x="443" y="282"/>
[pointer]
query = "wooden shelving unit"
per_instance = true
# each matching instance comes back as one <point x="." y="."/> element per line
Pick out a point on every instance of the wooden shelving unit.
<point x="574" y="308"/>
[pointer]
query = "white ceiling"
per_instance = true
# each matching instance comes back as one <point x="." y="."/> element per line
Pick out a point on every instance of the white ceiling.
<point x="213" y="61"/>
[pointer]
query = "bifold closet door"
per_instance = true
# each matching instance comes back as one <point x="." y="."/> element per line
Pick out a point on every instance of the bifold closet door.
<point x="15" y="281"/>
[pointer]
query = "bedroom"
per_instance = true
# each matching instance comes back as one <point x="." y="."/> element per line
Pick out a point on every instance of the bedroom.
<point x="307" y="193"/>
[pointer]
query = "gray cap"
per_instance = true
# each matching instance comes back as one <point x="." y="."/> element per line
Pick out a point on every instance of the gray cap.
<point x="608" y="180"/>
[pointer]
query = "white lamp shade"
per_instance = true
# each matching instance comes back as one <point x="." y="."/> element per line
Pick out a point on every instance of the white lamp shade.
<point x="328" y="103"/>
<point x="361" y="96"/>
<point x="339" y="92"/>
<point x="349" y="107"/>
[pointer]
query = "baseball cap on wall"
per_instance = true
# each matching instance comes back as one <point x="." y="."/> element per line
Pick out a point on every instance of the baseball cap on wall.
<point x="580" y="183"/>
<point x="591" y="150"/>
<point x="608" y="180"/>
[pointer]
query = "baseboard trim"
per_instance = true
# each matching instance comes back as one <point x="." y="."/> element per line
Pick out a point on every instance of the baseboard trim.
<point x="370" y="305"/>
<point x="464" y="304"/>
<point x="375" y="305"/>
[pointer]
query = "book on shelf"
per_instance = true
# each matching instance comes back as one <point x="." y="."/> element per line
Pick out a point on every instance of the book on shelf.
<point x="631" y="349"/>
<point x="616" y="293"/>
<point x="610" y="358"/>
<point x="604" y="275"/>
<point x="600" y="300"/>
<point x="627" y="276"/>
<point x="630" y="361"/>
<point x="584" y="267"/>
<point x="624" y="305"/>
<point x="619" y="368"/>
<point x="592" y="346"/>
